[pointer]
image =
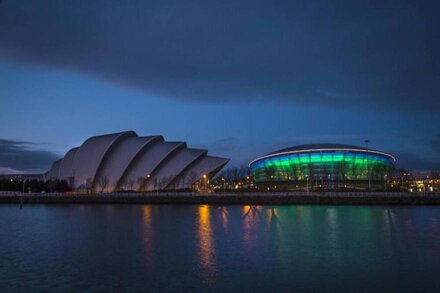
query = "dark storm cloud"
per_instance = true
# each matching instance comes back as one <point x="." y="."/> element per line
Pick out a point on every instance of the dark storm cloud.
<point x="21" y="155"/>
<point x="335" y="53"/>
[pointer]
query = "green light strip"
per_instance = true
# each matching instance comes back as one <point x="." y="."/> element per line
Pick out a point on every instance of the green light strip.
<point x="350" y="165"/>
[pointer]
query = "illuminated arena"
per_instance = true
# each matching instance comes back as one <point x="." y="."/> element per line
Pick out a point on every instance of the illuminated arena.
<point x="323" y="167"/>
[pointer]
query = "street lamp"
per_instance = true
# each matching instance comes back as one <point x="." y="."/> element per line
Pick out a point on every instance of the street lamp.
<point x="204" y="179"/>
<point x="385" y="181"/>
<point x="24" y="181"/>
<point x="368" y="165"/>
<point x="307" y="177"/>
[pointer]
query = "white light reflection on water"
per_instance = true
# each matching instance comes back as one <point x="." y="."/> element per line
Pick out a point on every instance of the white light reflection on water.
<point x="222" y="217"/>
<point x="251" y="220"/>
<point x="332" y="233"/>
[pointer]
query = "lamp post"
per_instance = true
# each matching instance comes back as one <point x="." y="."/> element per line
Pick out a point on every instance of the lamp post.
<point x="204" y="179"/>
<point x="307" y="180"/>
<point x="157" y="189"/>
<point x="368" y="165"/>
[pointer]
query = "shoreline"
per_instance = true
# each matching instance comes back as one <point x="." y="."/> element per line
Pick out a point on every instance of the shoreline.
<point x="229" y="198"/>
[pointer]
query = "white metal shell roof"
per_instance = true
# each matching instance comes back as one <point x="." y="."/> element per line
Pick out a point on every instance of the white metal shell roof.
<point x="205" y="165"/>
<point x="148" y="162"/>
<point x="90" y="155"/>
<point x="66" y="168"/>
<point x="114" y="165"/>
<point x="125" y="161"/>
<point x="54" y="171"/>
<point x="172" y="167"/>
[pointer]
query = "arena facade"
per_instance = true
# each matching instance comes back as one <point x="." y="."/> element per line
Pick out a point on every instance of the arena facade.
<point x="126" y="161"/>
<point x="322" y="167"/>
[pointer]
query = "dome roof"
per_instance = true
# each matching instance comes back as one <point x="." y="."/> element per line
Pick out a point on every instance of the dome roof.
<point x="321" y="147"/>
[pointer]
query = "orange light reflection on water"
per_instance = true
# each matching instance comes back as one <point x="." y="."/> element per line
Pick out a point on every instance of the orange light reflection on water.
<point x="148" y="232"/>
<point x="206" y="243"/>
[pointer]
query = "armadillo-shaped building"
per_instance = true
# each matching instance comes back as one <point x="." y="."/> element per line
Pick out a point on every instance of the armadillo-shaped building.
<point x="126" y="161"/>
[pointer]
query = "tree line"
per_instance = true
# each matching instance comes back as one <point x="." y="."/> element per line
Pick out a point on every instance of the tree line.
<point x="34" y="185"/>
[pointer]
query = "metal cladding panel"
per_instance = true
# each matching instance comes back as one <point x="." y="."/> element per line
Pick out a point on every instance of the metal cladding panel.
<point x="206" y="165"/>
<point x="117" y="161"/>
<point x="54" y="172"/>
<point x="90" y="155"/>
<point x="46" y="176"/>
<point x="147" y="162"/>
<point x="66" y="169"/>
<point x="172" y="167"/>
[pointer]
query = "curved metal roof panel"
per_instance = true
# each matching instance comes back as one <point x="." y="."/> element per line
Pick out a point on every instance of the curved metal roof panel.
<point x="89" y="156"/>
<point x="66" y="168"/>
<point x="205" y="165"/>
<point x="172" y="167"/>
<point x="147" y="162"/>
<point x="54" y="172"/>
<point x="119" y="158"/>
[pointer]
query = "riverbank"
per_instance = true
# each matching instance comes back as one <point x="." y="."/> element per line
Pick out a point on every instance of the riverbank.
<point x="327" y="198"/>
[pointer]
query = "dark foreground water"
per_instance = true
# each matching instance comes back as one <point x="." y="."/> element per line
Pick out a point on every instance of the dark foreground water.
<point x="233" y="248"/>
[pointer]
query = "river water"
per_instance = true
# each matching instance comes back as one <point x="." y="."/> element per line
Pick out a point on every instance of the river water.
<point x="219" y="248"/>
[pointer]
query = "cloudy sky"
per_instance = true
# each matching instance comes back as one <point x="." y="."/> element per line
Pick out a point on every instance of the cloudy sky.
<point x="241" y="78"/>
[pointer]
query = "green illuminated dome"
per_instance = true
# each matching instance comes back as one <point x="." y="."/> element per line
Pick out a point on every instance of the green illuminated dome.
<point x="323" y="166"/>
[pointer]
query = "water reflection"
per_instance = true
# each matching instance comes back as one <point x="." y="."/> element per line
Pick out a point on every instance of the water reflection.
<point x="332" y="231"/>
<point x="388" y="228"/>
<point x="273" y="219"/>
<point x="222" y="216"/>
<point x="206" y="244"/>
<point x="148" y="232"/>
<point x="251" y="219"/>
<point x="177" y="248"/>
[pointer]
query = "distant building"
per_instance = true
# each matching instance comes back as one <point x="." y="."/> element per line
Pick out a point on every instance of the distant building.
<point x="322" y="167"/>
<point x="125" y="161"/>
<point x="416" y="181"/>
<point x="21" y="177"/>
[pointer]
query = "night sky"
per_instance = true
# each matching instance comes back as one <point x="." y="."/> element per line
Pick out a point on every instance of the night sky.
<point x="241" y="78"/>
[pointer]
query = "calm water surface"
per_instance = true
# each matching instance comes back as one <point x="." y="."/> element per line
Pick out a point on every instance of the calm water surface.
<point x="219" y="248"/>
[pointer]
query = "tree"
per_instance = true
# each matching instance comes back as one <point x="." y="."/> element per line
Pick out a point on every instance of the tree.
<point x="165" y="180"/>
<point x="89" y="185"/>
<point x="122" y="185"/>
<point x="130" y="184"/>
<point x="103" y="183"/>
<point x="141" y="181"/>
<point x="155" y="185"/>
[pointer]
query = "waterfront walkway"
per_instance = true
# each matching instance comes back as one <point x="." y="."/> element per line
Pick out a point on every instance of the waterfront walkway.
<point x="250" y="198"/>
